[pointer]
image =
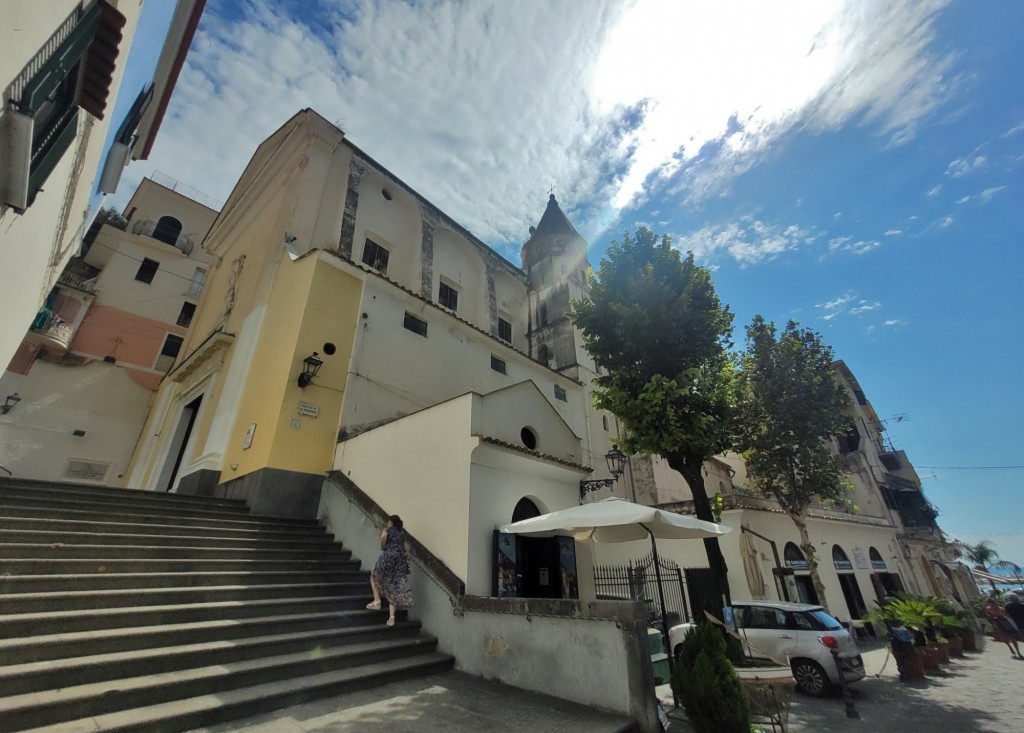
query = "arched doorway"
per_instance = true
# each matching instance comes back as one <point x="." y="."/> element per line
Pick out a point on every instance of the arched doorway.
<point x="848" y="583"/>
<point x="796" y="561"/>
<point x="886" y="583"/>
<point x="167" y="230"/>
<point x="533" y="567"/>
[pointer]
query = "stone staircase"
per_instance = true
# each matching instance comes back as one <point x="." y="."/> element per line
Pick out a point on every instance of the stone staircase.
<point x="124" y="610"/>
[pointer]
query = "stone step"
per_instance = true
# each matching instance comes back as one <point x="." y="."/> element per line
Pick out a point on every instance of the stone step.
<point x="61" y="622"/>
<point x="108" y="494"/>
<point x="27" y="566"/>
<point x="311" y="533"/>
<point x="209" y="709"/>
<point x="19" y="679"/>
<point x="125" y="581"/>
<point x="184" y="538"/>
<point x="18" y="712"/>
<point x="22" y="650"/>
<point x="14" y="551"/>
<point x="17" y="504"/>
<point x="93" y="599"/>
<point x="88" y="513"/>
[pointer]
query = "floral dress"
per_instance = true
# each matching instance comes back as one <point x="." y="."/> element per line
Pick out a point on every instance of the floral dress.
<point x="391" y="573"/>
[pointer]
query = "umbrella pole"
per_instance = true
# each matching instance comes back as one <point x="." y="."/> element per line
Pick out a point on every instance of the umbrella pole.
<point x="664" y="618"/>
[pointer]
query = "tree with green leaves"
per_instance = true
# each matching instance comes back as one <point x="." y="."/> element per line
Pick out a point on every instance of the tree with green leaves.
<point x="981" y="555"/>
<point x="790" y="405"/>
<point x="654" y="323"/>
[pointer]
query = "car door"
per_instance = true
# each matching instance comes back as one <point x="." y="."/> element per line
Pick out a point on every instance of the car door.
<point x="766" y="632"/>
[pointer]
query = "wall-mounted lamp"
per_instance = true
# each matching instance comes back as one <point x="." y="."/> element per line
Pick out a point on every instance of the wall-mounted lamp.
<point x="310" y="366"/>
<point x="616" y="460"/>
<point x="9" y="403"/>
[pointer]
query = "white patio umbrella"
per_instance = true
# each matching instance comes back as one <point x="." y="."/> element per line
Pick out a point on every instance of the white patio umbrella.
<point x="617" y="520"/>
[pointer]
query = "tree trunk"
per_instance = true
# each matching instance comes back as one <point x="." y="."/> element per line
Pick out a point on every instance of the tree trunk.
<point x="690" y="467"/>
<point x="809" y="550"/>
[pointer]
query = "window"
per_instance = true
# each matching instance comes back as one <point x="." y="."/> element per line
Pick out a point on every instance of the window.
<point x="604" y="422"/>
<point x="198" y="280"/>
<point x="167" y="230"/>
<point x="375" y="256"/>
<point x="147" y="270"/>
<point x="560" y="394"/>
<point x="448" y="297"/>
<point x="504" y="330"/>
<point x="169" y="352"/>
<point x="72" y="70"/>
<point x="498" y="365"/>
<point x="529" y="439"/>
<point x="416" y="325"/>
<point x="543" y="314"/>
<point x="187" y="311"/>
<point x="542" y="354"/>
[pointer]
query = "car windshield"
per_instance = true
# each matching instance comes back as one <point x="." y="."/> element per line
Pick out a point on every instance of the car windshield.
<point x="821" y="621"/>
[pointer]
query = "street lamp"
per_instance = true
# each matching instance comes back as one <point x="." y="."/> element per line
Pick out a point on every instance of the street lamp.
<point x="9" y="403"/>
<point x="310" y="366"/>
<point x="616" y="460"/>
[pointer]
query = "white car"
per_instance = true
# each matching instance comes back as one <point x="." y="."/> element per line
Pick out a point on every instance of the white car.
<point x="798" y="634"/>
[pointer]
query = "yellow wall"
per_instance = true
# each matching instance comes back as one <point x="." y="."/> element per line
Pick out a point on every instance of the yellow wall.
<point x="312" y="303"/>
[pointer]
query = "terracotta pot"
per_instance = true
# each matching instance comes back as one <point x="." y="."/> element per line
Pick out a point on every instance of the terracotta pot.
<point x="942" y="649"/>
<point x="910" y="666"/>
<point x="969" y="640"/>
<point x="930" y="657"/>
<point x="956" y="646"/>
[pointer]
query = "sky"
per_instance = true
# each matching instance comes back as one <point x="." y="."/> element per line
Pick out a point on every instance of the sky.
<point x="855" y="166"/>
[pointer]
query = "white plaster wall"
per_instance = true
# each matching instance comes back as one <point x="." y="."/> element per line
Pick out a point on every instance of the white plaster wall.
<point x="499" y="478"/>
<point x="460" y="264"/>
<point x="36" y="438"/>
<point x="396" y="225"/>
<point x="33" y="246"/>
<point x="152" y="201"/>
<point x="419" y="468"/>
<point x="395" y="372"/>
<point x="504" y="414"/>
<point x="510" y="296"/>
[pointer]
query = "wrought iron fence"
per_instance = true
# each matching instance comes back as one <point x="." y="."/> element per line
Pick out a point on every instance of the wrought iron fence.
<point x="637" y="581"/>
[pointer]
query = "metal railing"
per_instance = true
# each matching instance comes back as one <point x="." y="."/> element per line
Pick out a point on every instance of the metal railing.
<point x="187" y="191"/>
<point x="57" y="329"/>
<point x="17" y="87"/>
<point x="148" y="227"/>
<point x="637" y="581"/>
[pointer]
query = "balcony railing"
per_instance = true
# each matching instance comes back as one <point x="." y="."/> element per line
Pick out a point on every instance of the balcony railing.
<point x="148" y="228"/>
<point x="57" y="331"/>
<point x="77" y="281"/>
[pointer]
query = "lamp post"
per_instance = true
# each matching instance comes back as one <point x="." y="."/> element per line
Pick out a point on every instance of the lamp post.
<point x="310" y="366"/>
<point x="616" y="460"/>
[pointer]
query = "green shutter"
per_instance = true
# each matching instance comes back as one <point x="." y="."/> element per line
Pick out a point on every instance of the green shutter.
<point x="46" y="160"/>
<point x="63" y="61"/>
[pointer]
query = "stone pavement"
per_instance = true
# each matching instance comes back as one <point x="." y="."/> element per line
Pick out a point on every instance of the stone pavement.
<point x="451" y="702"/>
<point x="977" y="693"/>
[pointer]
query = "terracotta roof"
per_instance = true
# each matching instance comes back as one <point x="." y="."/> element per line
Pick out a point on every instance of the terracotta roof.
<point x="534" y="453"/>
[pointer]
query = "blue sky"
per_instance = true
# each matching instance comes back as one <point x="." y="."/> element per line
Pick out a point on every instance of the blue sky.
<point x="856" y="166"/>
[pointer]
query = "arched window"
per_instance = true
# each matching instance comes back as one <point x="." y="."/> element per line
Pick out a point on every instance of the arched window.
<point x="877" y="561"/>
<point x="525" y="509"/>
<point x="543" y="354"/>
<point x="839" y="559"/>
<point x="794" y="557"/>
<point x="543" y="314"/>
<point x="168" y="229"/>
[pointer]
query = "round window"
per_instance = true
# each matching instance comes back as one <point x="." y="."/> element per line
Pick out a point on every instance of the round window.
<point x="529" y="438"/>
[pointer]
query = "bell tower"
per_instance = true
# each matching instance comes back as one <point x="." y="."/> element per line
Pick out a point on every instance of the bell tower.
<point x="555" y="260"/>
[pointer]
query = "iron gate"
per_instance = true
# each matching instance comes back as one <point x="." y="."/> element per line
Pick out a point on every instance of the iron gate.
<point x="637" y="581"/>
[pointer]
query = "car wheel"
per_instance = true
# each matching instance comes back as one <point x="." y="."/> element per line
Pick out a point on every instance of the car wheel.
<point x="811" y="678"/>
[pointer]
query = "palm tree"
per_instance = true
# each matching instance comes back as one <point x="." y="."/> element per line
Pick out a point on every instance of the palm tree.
<point x="980" y="556"/>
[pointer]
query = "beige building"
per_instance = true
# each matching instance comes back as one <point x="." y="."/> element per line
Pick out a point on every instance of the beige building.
<point x="61" y="71"/>
<point x="109" y="330"/>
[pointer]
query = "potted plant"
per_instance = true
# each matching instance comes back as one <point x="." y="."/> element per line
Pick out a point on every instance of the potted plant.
<point x="708" y="686"/>
<point x="910" y="648"/>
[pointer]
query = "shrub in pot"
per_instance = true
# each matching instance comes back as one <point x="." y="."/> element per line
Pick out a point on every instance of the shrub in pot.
<point x="706" y="683"/>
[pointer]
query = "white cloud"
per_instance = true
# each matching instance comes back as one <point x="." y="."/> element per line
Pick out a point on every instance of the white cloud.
<point x="864" y="307"/>
<point x="894" y="322"/>
<point x="482" y="106"/>
<point x="944" y="222"/>
<point x="847" y="244"/>
<point x="1014" y="130"/>
<point x="893" y="232"/>
<point x="748" y="241"/>
<point x="970" y="163"/>
<point x="988" y="193"/>
<point x="934" y="190"/>
<point x="963" y="200"/>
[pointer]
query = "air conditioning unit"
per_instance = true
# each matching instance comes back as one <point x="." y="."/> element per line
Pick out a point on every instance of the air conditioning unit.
<point x="15" y="158"/>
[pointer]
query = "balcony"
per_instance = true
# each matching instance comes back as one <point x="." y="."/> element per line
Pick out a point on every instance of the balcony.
<point x="53" y="335"/>
<point x="150" y="228"/>
<point x="890" y="459"/>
